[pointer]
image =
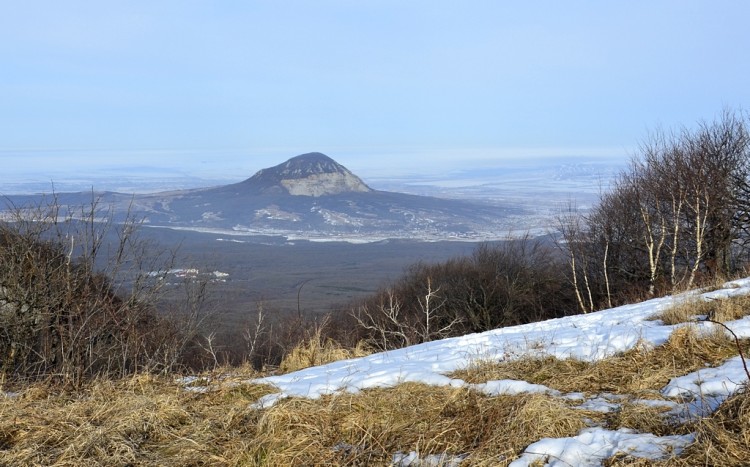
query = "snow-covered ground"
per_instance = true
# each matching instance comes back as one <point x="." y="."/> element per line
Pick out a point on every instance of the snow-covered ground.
<point x="586" y="337"/>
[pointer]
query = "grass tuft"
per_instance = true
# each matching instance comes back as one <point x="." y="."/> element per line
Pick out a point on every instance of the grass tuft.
<point x="318" y="351"/>
<point x="722" y="310"/>
<point x="685" y="312"/>
<point x="639" y="371"/>
<point x="723" y="439"/>
<point x="153" y="421"/>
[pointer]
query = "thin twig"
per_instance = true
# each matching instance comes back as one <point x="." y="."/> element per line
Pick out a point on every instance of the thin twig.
<point x="736" y="342"/>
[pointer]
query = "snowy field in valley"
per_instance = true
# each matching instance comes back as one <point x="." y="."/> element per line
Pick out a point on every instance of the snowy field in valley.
<point x="588" y="337"/>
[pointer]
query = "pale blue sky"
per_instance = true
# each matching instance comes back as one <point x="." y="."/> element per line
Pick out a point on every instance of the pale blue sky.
<point x="237" y="85"/>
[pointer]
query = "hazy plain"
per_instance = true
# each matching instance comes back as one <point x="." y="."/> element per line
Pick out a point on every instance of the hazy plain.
<point x="246" y="270"/>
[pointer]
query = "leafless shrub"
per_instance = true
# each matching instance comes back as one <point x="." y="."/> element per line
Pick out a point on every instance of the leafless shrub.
<point x="389" y="327"/>
<point x="512" y="282"/>
<point x="78" y="295"/>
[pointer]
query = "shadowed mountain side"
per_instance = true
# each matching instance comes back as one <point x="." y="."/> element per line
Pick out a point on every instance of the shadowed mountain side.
<point x="345" y="212"/>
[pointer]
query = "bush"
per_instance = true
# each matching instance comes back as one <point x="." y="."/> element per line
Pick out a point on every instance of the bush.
<point x="78" y="297"/>
<point x="513" y="282"/>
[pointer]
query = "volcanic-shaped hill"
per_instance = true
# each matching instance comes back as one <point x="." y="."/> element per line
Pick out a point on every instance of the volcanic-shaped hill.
<point x="311" y="174"/>
<point x="312" y="196"/>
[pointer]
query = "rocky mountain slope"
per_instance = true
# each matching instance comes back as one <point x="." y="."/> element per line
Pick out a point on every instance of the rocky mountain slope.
<point x="313" y="174"/>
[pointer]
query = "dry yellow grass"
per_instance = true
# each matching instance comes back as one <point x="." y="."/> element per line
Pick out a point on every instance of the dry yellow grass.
<point x="151" y="421"/>
<point x="637" y="374"/>
<point x="643" y="419"/>
<point x="685" y="312"/>
<point x="318" y="351"/>
<point x="368" y="428"/>
<point x="722" y="310"/>
<point x="640" y="371"/>
<point x="138" y="421"/>
<point x="723" y="439"/>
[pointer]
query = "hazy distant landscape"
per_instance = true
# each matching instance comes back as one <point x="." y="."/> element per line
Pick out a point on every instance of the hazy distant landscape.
<point x="271" y="267"/>
<point x="541" y="185"/>
<point x="375" y="233"/>
<point x="579" y="175"/>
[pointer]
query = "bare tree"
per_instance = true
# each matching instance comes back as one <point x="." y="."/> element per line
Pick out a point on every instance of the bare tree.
<point x="517" y="281"/>
<point x="573" y="235"/>
<point x="677" y="215"/>
<point x="388" y="327"/>
<point x="391" y="327"/>
<point x="255" y="332"/>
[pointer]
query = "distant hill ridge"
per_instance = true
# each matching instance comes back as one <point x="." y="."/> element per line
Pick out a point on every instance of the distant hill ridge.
<point x="309" y="196"/>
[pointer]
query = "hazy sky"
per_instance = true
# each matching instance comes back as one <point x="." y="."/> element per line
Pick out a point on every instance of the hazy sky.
<point x="233" y="86"/>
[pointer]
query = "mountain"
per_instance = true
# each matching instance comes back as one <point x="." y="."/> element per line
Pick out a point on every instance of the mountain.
<point x="312" y="174"/>
<point x="309" y="196"/>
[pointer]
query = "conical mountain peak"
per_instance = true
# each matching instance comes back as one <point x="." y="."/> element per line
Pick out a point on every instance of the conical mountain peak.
<point x="308" y="164"/>
<point x="311" y="174"/>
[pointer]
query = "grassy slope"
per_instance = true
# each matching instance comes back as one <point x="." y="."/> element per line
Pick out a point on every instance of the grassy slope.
<point x="149" y="420"/>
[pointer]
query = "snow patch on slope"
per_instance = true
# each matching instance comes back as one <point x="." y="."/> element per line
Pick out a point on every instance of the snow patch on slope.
<point x="585" y="337"/>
